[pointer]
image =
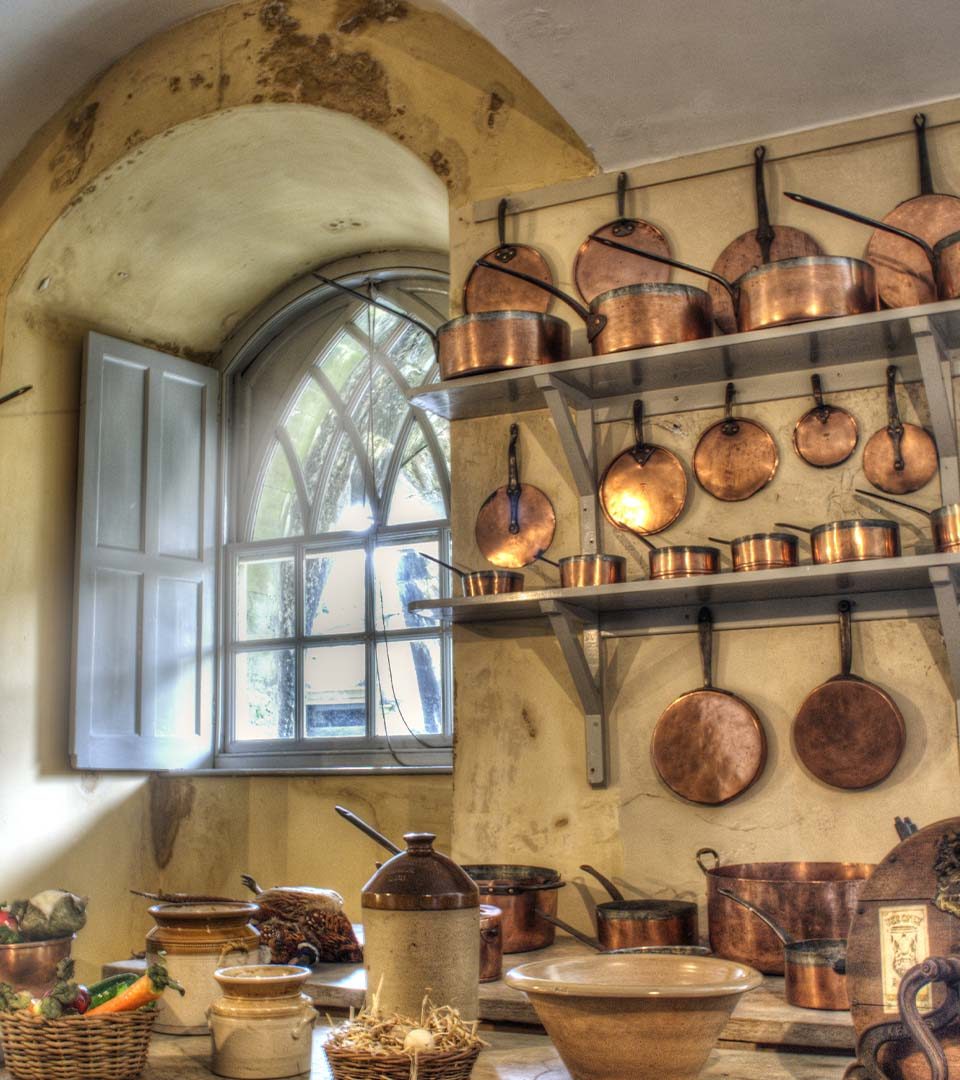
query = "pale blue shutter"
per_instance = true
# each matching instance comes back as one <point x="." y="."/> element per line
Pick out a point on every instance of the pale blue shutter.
<point x="144" y="621"/>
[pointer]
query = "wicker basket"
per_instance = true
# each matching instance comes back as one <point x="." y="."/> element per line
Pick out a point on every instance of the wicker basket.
<point x="356" y="1065"/>
<point x="111" y="1047"/>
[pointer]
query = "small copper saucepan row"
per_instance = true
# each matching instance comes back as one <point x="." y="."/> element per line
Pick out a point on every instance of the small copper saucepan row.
<point x="594" y="943"/>
<point x="482" y="582"/>
<point x="680" y="560"/>
<point x="944" y="521"/>
<point x="761" y="551"/>
<point x="591" y="569"/>
<point x="852" y="540"/>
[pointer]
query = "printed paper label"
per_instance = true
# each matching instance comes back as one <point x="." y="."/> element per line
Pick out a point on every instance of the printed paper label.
<point x="903" y="944"/>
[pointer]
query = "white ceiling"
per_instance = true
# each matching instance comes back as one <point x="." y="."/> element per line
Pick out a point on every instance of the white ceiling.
<point x="639" y="80"/>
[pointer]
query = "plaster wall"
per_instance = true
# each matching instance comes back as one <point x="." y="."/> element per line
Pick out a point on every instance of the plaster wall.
<point x="520" y="789"/>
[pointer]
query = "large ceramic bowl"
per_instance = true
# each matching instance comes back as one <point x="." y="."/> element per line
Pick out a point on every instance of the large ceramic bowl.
<point x="647" y="1017"/>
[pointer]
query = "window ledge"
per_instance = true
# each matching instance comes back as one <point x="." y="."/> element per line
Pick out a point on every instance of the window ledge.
<point x="328" y="770"/>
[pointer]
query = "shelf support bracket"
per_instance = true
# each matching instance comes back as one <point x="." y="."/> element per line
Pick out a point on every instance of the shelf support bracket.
<point x="935" y="368"/>
<point x="576" y="433"/>
<point x="578" y="635"/>
<point x="945" y="584"/>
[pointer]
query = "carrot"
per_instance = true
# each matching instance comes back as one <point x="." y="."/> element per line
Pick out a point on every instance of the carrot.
<point x="147" y="989"/>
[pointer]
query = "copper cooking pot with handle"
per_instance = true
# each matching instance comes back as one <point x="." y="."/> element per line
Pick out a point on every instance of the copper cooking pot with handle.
<point x="807" y="899"/>
<point x="594" y="943"/>
<point x="589" y="570"/>
<point x="944" y="521"/>
<point x="851" y="540"/>
<point x="522" y="893"/>
<point x="482" y="582"/>
<point x="627" y="924"/>
<point x="761" y="551"/>
<point x="681" y="560"/>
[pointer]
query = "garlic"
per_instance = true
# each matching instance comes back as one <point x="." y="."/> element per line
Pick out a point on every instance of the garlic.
<point x="417" y="1040"/>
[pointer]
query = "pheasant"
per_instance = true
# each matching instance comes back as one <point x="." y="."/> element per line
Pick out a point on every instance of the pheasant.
<point x="304" y="924"/>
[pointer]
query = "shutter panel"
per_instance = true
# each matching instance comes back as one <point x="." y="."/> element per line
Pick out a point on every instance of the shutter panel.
<point x="144" y="620"/>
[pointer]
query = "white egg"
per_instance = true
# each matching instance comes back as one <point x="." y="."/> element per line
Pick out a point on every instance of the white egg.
<point x="418" y="1039"/>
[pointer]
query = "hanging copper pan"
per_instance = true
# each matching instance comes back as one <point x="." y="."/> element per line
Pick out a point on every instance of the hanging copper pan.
<point x="735" y="457"/>
<point x="942" y="258"/>
<point x="482" y="582"/>
<point x="825" y="435"/>
<point x="517" y="522"/>
<point x="761" y="551"/>
<point x="944" y="521"/>
<point x="766" y="243"/>
<point x="848" y="732"/>
<point x="599" y="270"/>
<point x="899" y="458"/>
<point x="644" y="488"/>
<point x="486" y="291"/>
<point x="709" y="745"/>
<point x="904" y="276"/>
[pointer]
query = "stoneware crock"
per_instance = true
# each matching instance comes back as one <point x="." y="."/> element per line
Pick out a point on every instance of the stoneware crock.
<point x="647" y="1017"/>
<point x="263" y="1025"/>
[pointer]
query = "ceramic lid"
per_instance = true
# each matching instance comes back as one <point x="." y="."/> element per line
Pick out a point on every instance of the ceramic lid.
<point x="420" y="879"/>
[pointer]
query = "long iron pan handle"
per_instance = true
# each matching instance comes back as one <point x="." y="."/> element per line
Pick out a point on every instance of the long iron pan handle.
<point x="571" y="930"/>
<point x="379" y="304"/>
<point x="761" y="915"/>
<point x="765" y="233"/>
<point x="668" y="261"/>
<point x="368" y="829"/>
<point x="896" y="502"/>
<point x="615" y="893"/>
<point x="923" y="156"/>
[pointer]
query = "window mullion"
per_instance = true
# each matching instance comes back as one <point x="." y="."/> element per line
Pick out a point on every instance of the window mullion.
<point x="370" y="640"/>
<point x="299" y="653"/>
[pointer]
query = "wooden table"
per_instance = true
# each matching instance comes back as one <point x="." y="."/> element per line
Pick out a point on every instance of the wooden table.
<point x="761" y="1018"/>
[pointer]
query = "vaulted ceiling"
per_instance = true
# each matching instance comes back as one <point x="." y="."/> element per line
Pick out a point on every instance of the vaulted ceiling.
<point x="639" y="80"/>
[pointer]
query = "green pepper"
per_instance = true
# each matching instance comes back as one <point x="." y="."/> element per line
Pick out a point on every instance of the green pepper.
<point x="109" y="988"/>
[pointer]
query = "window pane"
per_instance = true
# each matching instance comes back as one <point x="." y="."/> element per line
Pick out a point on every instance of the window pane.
<point x="417" y="495"/>
<point x="266" y="695"/>
<point x="343" y="363"/>
<point x="334" y="588"/>
<point x="278" y="509"/>
<point x="334" y="691"/>
<point x="343" y="503"/>
<point x="408" y="676"/>
<point x="414" y="356"/>
<point x="402" y="575"/>
<point x="383" y="322"/>
<point x="390" y="409"/>
<point x="265" y="598"/>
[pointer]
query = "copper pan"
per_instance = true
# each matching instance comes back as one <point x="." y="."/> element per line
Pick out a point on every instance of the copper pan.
<point x="825" y="435"/>
<point x="734" y="458"/>
<point x="709" y="745"/>
<point x="681" y="560"/>
<point x="815" y="968"/>
<point x="904" y="275"/>
<point x="590" y="569"/>
<point x="899" y="458"/>
<point x="944" y="521"/>
<point x="628" y="924"/>
<point x="594" y="943"/>
<point x="487" y="291"/>
<point x="598" y="270"/>
<point x="761" y="551"/>
<point x="794" y="290"/>
<point x="807" y="899"/>
<point x="522" y="893"/>
<point x="943" y="257"/>
<point x="851" y="540"/>
<point x="491" y="943"/>
<point x="766" y="243"/>
<point x="644" y="488"/>
<point x="482" y="582"/>
<point x="516" y="523"/>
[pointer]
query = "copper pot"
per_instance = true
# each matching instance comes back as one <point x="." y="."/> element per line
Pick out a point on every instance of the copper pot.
<point x="680" y="561"/>
<point x="500" y="341"/>
<point x="491" y="582"/>
<point x="944" y="521"/>
<point x="629" y="924"/>
<point x="491" y="943"/>
<point x="762" y="551"/>
<point x="594" y="943"/>
<point x="32" y="965"/>
<point x="521" y="893"/>
<point x="855" y="540"/>
<point x="579" y="571"/>
<point x="807" y="899"/>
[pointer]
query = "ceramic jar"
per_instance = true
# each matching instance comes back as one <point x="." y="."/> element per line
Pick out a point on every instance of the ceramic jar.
<point x="263" y="1025"/>
<point x="421" y="923"/>
<point x="196" y="940"/>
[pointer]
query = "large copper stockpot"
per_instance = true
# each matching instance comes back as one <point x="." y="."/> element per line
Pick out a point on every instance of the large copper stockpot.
<point x="794" y="290"/>
<point x="944" y="521"/>
<point x="761" y="551"/>
<point x="521" y="893"/>
<point x="852" y="540"/>
<point x="807" y="899"/>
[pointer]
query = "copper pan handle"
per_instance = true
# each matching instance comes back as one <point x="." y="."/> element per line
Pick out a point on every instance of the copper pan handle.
<point x="513" y="480"/>
<point x="765" y="232"/>
<point x="447" y="566"/>
<point x="705" y="635"/>
<point x="615" y="893"/>
<point x="623" y="226"/>
<point x="796" y="528"/>
<point x="923" y="156"/>
<point x="895" y="502"/>
<point x="760" y="914"/>
<point x="894" y="423"/>
<point x="719" y="540"/>
<point x="571" y="930"/>
<point x="862" y="219"/>
<point x="730" y="426"/>
<point x="379" y="304"/>
<point x="368" y="829"/>
<point x="668" y="261"/>
<point x="644" y="540"/>
<point x="708" y="851"/>
<point x="823" y="410"/>
<point x="641" y="452"/>
<point x="505" y="252"/>
<point x="846" y="639"/>
<point x="594" y="321"/>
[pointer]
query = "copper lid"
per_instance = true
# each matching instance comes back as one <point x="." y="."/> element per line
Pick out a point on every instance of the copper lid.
<point x="420" y="879"/>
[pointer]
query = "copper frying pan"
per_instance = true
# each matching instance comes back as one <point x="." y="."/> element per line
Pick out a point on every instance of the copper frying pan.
<point x="485" y="290"/>
<point x="904" y="276"/>
<point x="516" y="523"/>
<point x="735" y="457"/>
<point x="709" y="745"/>
<point x="899" y="458"/>
<point x="766" y="243"/>
<point x="644" y="488"/>
<point x="848" y="732"/>
<point x="597" y="269"/>
<point x="826" y="435"/>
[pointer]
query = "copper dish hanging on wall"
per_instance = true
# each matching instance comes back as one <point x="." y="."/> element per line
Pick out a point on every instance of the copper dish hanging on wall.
<point x="826" y="435"/>
<point x="487" y="291"/>
<point x="734" y="458"/>
<point x="899" y="458"/>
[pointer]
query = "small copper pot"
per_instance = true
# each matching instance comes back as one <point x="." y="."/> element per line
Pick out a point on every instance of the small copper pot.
<point x="32" y="965"/>
<point x="491" y="943"/>
<point x="491" y="582"/>
<point x="629" y="924"/>
<point x="682" y="561"/>
<point x="855" y="540"/>
<point x="577" y="571"/>
<point x="763" y="551"/>
<point x="521" y="893"/>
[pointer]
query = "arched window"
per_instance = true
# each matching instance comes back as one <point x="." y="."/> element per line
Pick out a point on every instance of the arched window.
<point x="339" y="490"/>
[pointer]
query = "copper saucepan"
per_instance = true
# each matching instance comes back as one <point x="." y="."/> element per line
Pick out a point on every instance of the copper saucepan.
<point x="635" y="316"/>
<point x="589" y="569"/>
<point x="523" y="894"/>
<point x="681" y="560"/>
<point x="594" y="943"/>
<point x="793" y="290"/>
<point x="944" y="521"/>
<point x="627" y="924"/>
<point x="851" y="540"/>
<point x="943" y="256"/>
<point x="761" y="551"/>
<point x="482" y="582"/>
<point x="815" y="968"/>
